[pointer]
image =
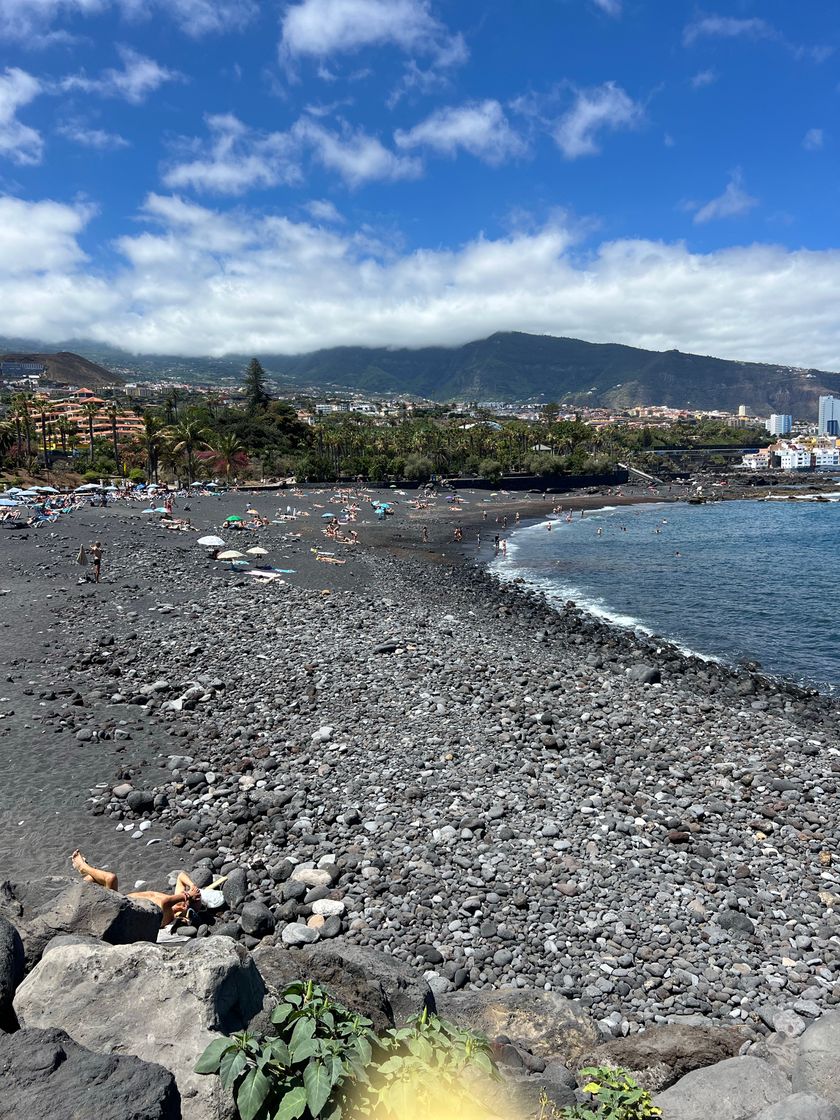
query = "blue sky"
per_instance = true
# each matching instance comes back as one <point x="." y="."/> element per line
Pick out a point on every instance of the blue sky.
<point x="205" y="176"/>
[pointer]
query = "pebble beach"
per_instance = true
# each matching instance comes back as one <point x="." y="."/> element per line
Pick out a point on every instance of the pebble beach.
<point x="500" y="793"/>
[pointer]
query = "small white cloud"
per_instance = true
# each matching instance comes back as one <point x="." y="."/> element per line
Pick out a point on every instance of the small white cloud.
<point x="611" y="7"/>
<point x="18" y="142"/>
<point x="813" y="140"/>
<point x="32" y="21"/>
<point x="479" y="127"/>
<point x="733" y="202"/>
<point x="321" y="28"/>
<point x="236" y="159"/>
<point x="322" y="210"/>
<point x="704" y="78"/>
<point x="602" y="108"/>
<point x="727" y="27"/>
<point x="138" y="77"/>
<point x="97" y="138"/>
<point x="356" y="156"/>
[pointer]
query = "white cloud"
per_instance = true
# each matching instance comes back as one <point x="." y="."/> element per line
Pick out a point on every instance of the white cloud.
<point x="320" y="28"/>
<point x="727" y="27"/>
<point x="479" y="127"/>
<point x="201" y="282"/>
<point x="356" y="156"/>
<point x="87" y="137"/>
<point x="730" y="204"/>
<point x="18" y="142"/>
<point x="138" y="77"/>
<point x="611" y="7"/>
<point x="813" y="140"/>
<point x="237" y="159"/>
<point x="32" y="22"/>
<point x="704" y="78"/>
<point x="322" y="210"/>
<point x="602" y="108"/>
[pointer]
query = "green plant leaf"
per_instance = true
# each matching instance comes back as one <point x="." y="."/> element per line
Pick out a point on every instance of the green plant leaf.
<point x="252" y="1094"/>
<point x="281" y="1013"/>
<point x="363" y="1049"/>
<point x="304" y="1028"/>
<point x="278" y="1051"/>
<point x="232" y="1066"/>
<point x="318" y="1084"/>
<point x="305" y="1050"/>
<point x="293" y="1105"/>
<point x="212" y="1056"/>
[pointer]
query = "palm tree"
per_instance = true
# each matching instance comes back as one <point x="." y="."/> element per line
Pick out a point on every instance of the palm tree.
<point x="153" y="429"/>
<point x="185" y="439"/>
<point x="170" y="403"/>
<point x="113" y="412"/>
<point x="24" y="424"/>
<point x="65" y="430"/>
<point x="90" y="410"/>
<point x="42" y="416"/>
<point x="227" y="451"/>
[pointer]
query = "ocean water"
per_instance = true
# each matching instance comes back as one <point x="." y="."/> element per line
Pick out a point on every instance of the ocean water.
<point x="731" y="580"/>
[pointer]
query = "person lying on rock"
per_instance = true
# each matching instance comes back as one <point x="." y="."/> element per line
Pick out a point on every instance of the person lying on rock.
<point x="173" y="906"/>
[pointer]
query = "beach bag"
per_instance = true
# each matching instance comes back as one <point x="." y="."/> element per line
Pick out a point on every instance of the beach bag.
<point x="82" y="556"/>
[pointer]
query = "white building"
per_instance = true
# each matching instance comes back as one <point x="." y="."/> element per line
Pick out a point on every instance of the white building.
<point x="795" y="459"/>
<point x="826" y="457"/>
<point x="779" y="424"/>
<point x="758" y="461"/>
<point x="829" y="416"/>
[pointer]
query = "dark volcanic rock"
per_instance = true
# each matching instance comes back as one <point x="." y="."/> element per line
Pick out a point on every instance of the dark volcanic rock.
<point x="11" y="972"/>
<point x="43" y="908"/>
<point x="44" y="1073"/>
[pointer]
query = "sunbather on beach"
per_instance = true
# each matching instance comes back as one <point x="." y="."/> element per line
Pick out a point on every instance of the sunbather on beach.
<point x="172" y="906"/>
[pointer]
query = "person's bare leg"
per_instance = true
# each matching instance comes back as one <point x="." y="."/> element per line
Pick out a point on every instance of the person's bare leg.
<point x="93" y="874"/>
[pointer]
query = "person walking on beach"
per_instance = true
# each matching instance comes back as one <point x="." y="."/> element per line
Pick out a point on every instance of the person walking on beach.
<point x="96" y="559"/>
<point x="425" y="534"/>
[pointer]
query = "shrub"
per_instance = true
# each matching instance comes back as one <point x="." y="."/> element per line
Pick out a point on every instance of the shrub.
<point x="326" y="1061"/>
<point x="613" y="1095"/>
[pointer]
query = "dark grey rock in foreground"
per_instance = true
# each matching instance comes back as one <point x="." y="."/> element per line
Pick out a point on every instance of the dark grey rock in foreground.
<point x="44" y="1073"/>
<point x="11" y="971"/>
<point x="42" y="909"/>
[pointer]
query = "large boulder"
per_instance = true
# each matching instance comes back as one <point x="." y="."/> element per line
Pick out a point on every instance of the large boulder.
<point x="346" y="983"/>
<point x="150" y="1001"/>
<point x="659" y="1056"/>
<point x="11" y="972"/>
<point x="817" y="1068"/>
<point x="44" y="908"/>
<point x="47" y="1074"/>
<point x="543" y="1023"/>
<point x="373" y="984"/>
<point x="800" y="1106"/>
<point x="732" y="1090"/>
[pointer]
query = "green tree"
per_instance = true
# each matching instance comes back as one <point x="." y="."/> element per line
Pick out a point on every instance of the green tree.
<point x="185" y="439"/>
<point x="90" y="410"/>
<point x="256" y="393"/>
<point x="225" y="453"/>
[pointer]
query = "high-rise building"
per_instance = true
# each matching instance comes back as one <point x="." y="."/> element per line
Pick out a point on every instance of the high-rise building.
<point x="829" y="416"/>
<point x="743" y="410"/>
<point x="779" y="424"/>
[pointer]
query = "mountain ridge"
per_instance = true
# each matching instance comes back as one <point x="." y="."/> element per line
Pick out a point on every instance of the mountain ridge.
<point x="513" y="366"/>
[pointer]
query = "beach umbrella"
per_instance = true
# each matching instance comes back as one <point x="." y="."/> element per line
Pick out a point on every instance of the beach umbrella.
<point x="231" y="554"/>
<point x="45" y="489"/>
<point x="211" y="542"/>
<point x="8" y="502"/>
<point x="233" y="517"/>
<point x="256" y="551"/>
<point x="88" y="486"/>
<point x="160" y="509"/>
<point x="328" y="516"/>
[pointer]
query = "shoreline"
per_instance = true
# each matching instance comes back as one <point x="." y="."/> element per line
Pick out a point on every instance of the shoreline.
<point x="442" y="735"/>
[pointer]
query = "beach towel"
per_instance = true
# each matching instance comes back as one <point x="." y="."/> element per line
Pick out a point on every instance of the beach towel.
<point x="82" y="556"/>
